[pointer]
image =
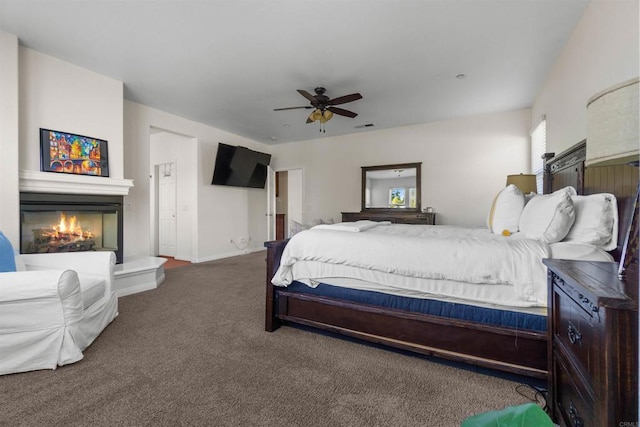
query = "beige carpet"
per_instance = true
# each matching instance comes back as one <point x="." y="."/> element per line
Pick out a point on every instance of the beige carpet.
<point x="194" y="353"/>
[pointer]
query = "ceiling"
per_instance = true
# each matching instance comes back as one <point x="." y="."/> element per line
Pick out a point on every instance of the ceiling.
<point x="228" y="64"/>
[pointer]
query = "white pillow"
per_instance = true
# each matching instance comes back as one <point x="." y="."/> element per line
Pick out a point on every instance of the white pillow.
<point x="321" y="221"/>
<point x="579" y="251"/>
<point x="296" y="227"/>
<point x="548" y="217"/>
<point x="596" y="221"/>
<point x="505" y="210"/>
<point x="528" y="197"/>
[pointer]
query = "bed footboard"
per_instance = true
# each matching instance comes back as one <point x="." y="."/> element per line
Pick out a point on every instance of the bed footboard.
<point x="521" y="352"/>
<point x="511" y="350"/>
<point x="274" y="253"/>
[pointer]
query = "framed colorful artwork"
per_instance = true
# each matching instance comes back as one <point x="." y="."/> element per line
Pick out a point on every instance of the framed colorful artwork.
<point x="63" y="152"/>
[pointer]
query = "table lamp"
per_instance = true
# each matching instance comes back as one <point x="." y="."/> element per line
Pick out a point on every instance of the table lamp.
<point x="613" y="125"/>
<point x="525" y="182"/>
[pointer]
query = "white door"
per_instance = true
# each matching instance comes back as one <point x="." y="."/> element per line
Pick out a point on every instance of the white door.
<point x="271" y="204"/>
<point x="167" y="230"/>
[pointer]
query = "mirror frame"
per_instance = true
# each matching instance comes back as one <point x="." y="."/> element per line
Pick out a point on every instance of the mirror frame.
<point x="417" y="166"/>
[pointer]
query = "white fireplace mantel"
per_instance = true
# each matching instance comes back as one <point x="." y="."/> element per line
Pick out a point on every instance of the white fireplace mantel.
<point x="49" y="182"/>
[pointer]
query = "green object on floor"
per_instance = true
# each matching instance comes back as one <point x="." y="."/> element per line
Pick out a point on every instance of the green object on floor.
<point x="527" y="415"/>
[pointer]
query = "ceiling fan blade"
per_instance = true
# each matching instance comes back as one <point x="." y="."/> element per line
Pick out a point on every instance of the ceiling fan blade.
<point x="291" y="108"/>
<point x="342" y="112"/>
<point x="308" y="96"/>
<point x="344" y="99"/>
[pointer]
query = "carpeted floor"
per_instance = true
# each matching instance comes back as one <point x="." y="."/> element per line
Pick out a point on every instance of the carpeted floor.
<point x="194" y="353"/>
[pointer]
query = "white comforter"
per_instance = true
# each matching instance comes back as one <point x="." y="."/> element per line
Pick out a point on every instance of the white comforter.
<point x="426" y="252"/>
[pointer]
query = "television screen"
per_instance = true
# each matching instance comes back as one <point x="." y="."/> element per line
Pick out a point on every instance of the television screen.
<point x="240" y="167"/>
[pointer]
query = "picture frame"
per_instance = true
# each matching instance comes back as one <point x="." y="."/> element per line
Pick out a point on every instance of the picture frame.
<point x="69" y="153"/>
<point x="629" y="255"/>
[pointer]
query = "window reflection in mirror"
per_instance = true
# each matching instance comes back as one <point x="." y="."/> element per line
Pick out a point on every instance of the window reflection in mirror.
<point x="391" y="186"/>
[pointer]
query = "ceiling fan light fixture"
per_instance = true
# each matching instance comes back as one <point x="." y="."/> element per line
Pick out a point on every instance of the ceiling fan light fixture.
<point x="315" y="115"/>
<point x="326" y="116"/>
<point x="325" y="107"/>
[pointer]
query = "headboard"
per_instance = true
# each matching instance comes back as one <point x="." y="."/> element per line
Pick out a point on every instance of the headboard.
<point x="568" y="168"/>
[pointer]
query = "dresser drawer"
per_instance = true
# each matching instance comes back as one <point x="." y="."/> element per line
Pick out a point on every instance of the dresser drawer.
<point x="575" y="336"/>
<point x="593" y="344"/>
<point x="574" y="404"/>
<point x="420" y="221"/>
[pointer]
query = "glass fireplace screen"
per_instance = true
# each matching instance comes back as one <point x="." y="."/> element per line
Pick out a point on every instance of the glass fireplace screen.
<point x="69" y="231"/>
<point x="52" y="222"/>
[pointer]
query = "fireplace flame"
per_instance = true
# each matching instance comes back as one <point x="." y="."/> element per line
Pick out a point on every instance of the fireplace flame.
<point x="70" y="228"/>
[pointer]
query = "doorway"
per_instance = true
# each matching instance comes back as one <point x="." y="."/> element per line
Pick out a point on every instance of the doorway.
<point x="173" y="196"/>
<point x="167" y="224"/>
<point x="286" y="202"/>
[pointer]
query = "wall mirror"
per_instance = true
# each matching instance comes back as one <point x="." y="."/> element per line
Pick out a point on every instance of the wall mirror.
<point x="391" y="187"/>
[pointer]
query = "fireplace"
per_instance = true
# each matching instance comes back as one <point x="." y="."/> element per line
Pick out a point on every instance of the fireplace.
<point x="51" y="222"/>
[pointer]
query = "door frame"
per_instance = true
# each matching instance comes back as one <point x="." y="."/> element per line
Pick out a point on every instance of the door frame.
<point x="274" y="201"/>
<point x="187" y="206"/>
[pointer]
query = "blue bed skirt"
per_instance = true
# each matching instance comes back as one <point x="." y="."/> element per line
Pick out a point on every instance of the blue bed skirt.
<point x="489" y="316"/>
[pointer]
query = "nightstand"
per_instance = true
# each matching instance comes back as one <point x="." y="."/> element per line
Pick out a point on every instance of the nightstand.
<point x="593" y="344"/>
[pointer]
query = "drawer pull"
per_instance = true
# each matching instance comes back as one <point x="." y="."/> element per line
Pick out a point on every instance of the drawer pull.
<point x="574" y="335"/>
<point x="576" y="421"/>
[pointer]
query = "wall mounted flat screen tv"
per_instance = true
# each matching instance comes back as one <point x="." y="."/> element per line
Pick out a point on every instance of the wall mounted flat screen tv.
<point x="240" y="167"/>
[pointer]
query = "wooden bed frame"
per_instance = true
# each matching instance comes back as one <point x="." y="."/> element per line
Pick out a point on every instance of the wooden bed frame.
<point x="516" y="351"/>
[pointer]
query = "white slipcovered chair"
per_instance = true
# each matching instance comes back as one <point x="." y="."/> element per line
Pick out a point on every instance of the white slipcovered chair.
<point x="53" y="307"/>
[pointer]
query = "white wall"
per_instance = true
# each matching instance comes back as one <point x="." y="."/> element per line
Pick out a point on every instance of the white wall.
<point x="57" y="95"/>
<point x="465" y="161"/>
<point x="602" y="51"/>
<point x="223" y="213"/>
<point x="464" y="164"/>
<point x="41" y="91"/>
<point x="9" y="138"/>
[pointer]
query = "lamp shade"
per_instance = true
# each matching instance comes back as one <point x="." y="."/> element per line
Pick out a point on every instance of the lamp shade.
<point x="613" y="128"/>
<point x="526" y="183"/>
<point x="326" y="116"/>
<point x="314" y="116"/>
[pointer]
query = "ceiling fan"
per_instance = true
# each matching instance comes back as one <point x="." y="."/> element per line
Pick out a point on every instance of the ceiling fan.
<point x="324" y="106"/>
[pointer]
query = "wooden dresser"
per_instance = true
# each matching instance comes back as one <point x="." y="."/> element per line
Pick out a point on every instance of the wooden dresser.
<point x="396" y="217"/>
<point x="593" y="345"/>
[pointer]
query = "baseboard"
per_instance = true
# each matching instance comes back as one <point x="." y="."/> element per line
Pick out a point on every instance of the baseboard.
<point x="227" y="255"/>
